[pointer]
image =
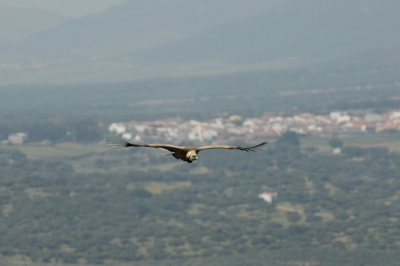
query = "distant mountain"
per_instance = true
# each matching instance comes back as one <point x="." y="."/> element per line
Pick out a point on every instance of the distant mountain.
<point x="18" y="23"/>
<point x="309" y="30"/>
<point x="135" y="25"/>
<point x="146" y="39"/>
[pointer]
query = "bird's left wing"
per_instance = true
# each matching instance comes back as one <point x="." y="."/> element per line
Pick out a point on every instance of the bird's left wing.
<point x="116" y="143"/>
<point x="231" y="147"/>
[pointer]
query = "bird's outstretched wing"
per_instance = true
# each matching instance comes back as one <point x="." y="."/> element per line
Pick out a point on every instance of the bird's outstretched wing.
<point x="116" y="143"/>
<point x="231" y="147"/>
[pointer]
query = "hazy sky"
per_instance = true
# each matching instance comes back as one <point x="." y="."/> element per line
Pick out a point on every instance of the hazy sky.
<point x="71" y="8"/>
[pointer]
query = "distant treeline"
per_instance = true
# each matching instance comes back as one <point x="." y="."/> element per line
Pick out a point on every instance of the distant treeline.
<point x="342" y="84"/>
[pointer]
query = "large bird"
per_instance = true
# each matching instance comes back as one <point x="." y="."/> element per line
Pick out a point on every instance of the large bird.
<point x="185" y="153"/>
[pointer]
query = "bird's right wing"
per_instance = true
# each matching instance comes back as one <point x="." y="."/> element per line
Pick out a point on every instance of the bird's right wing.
<point x="116" y="143"/>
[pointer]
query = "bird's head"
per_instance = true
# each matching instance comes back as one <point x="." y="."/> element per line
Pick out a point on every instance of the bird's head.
<point x="192" y="155"/>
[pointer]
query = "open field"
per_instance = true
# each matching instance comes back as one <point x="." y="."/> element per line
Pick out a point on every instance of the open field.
<point x="86" y="158"/>
<point x="387" y="140"/>
<point x="73" y="151"/>
<point x="65" y="150"/>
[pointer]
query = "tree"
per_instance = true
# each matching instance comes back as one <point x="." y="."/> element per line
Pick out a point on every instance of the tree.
<point x="293" y="216"/>
<point x="335" y="143"/>
<point x="289" y="137"/>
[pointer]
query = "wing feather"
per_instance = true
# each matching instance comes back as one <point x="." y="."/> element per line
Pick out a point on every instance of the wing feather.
<point x="116" y="143"/>
<point x="231" y="147"/>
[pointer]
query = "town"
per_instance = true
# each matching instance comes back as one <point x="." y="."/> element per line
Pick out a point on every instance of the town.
<point x="235" y="128"/>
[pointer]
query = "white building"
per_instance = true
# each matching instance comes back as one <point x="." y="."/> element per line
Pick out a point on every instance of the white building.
<point x="127" y="136"/>
<point x="375" y="118"/>
<point x="209" y="134"/>
<point x="268" y="196"/>
<point x="17" y="138"/>
<point x="394" y="115"/>
<point x="118" y="128"/>
<point x="340" y="117"/>
<point x="337" y="151"/>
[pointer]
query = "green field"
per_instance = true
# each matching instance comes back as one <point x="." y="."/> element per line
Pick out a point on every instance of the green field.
<point x="390" y="141"/>
<point x="83" y="156"/>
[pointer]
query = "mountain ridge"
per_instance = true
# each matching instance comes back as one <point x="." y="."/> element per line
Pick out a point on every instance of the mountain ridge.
<point x="18" y="23"/>
<point x="161" y="43"/>
<point x="311" y="32"/>
<point x="132" y="26"/>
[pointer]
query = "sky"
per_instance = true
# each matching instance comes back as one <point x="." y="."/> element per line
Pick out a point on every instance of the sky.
<point x="71" y="8"/>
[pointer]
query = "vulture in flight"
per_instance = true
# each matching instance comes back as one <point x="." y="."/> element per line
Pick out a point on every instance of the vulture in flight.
<point x="185" y="153"/>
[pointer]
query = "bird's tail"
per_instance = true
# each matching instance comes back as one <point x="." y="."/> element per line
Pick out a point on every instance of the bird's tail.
<point x="173" y="154"/>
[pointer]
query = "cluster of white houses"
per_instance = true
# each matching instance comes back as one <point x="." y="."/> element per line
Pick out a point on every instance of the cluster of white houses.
<point x="236" y="128"/>
<point x="177" y="130"/>
<point x="16" y="138"/>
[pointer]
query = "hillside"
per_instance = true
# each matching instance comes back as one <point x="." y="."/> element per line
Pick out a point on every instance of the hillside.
<point x="132" y="26"/>
<point x="364" y="81"/>
<point x="138" y="40"/>
<point x="131" y="206"/>
<point x="306" y="30"/>
<point x="18" y="23"/>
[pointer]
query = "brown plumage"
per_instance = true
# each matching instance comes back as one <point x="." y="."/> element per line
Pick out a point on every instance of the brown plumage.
<point x="184" y="153"/>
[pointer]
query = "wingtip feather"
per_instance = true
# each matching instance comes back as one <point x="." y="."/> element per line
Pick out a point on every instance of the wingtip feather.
<point x="254" y="147"/>
<point x="116" y="143"/>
